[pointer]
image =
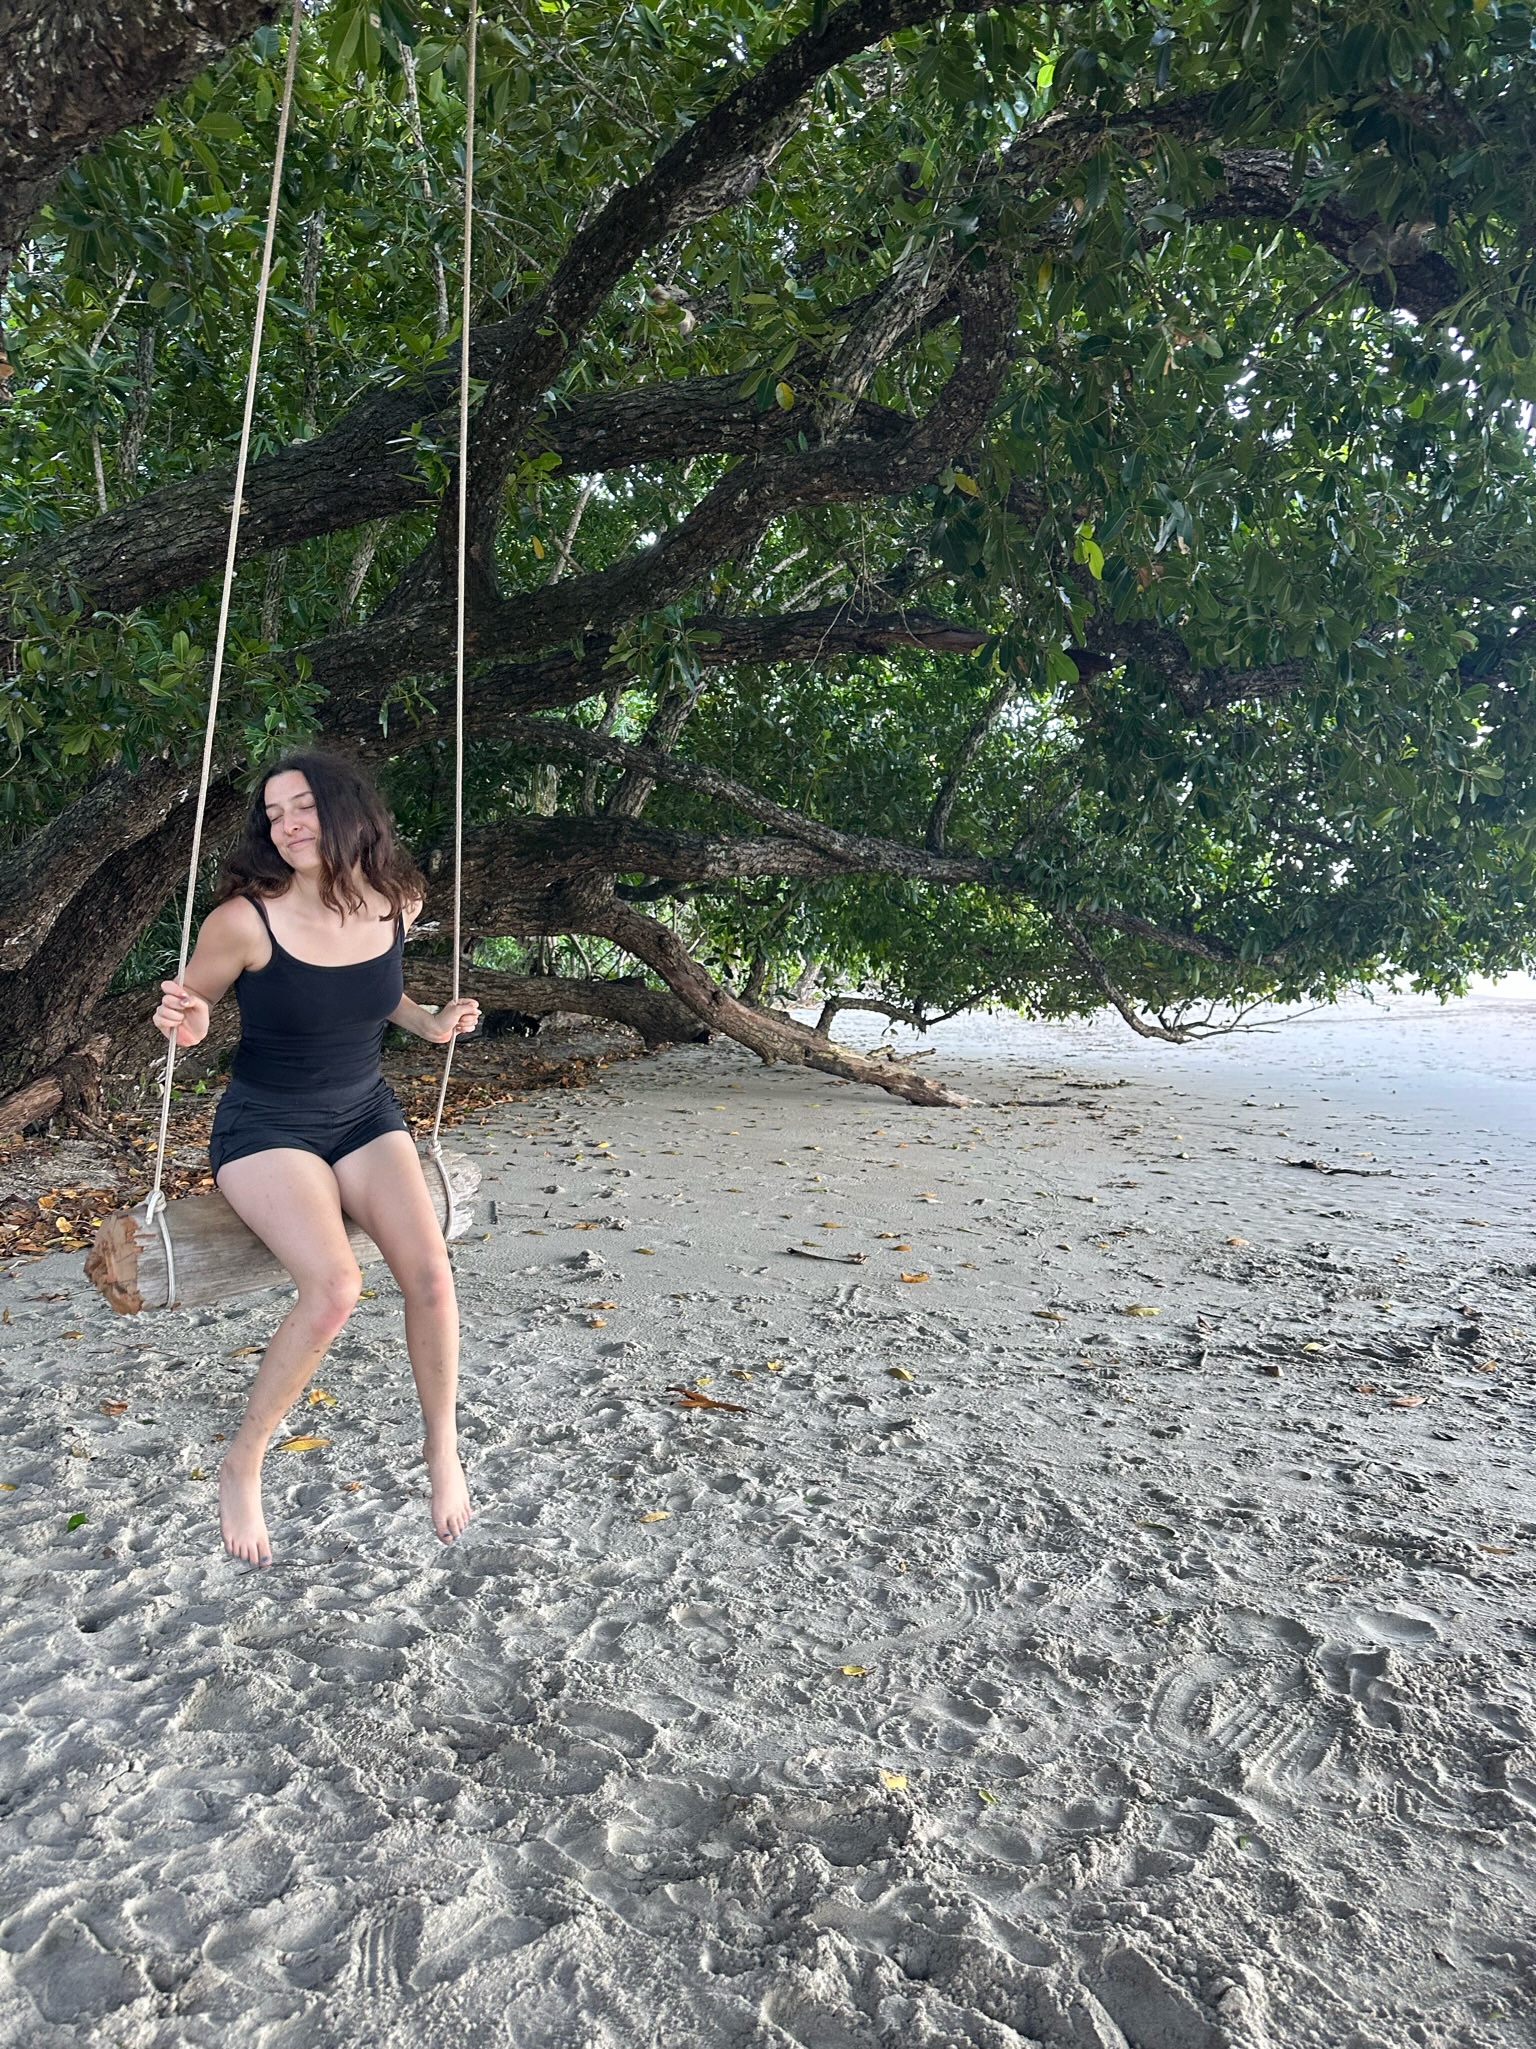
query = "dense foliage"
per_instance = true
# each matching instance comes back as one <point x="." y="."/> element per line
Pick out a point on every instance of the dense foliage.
<point x="1233" y="692"/>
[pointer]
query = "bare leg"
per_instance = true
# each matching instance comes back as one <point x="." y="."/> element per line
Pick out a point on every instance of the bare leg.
<point x="291" y="1201"/>
<point x="384" y="1190"/>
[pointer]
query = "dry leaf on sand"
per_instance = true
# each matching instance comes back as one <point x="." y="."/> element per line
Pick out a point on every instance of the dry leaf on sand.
<point x="690" y="1398"/>
<point x="303" y="1443"/>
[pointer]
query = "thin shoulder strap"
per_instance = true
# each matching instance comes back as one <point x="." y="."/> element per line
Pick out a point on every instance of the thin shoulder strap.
<point x="261" y="907"/>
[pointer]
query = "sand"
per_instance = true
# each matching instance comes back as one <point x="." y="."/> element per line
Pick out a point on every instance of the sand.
<point x="1019" y="1666"/>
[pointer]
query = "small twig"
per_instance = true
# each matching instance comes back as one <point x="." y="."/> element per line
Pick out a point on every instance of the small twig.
<point x="562" y="560"/>
<point x="1327" y="1167"/>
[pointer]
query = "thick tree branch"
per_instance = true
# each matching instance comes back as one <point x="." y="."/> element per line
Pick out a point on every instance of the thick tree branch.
<point x="847" y="852"/>
<point x="365" y="467"/>
<point x="717" y="161"/>
<point x="771" y="1036"/>
<point x="1392" y="257"/>
<point x="39" y="878"/>
<point x="727" y="520"/>
<point x="75" y="75"/>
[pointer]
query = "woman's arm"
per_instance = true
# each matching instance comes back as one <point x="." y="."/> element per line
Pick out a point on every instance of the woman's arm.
<point x="227" y="945"/>
<point x="436" y="1025"/>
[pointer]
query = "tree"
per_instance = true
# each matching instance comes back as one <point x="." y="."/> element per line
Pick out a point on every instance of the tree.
<point x="1022" y="504"/>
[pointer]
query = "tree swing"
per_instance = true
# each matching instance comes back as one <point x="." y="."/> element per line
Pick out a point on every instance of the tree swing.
<point x="164" y="1255"/>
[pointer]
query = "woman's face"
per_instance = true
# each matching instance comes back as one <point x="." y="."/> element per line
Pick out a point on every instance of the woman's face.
<point x="294" y="821"/>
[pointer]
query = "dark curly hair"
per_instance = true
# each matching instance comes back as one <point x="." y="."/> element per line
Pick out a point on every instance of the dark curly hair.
<point x="357" y="841"/>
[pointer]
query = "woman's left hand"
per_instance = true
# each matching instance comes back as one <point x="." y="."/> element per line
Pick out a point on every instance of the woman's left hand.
<point x="455" y="1019"/>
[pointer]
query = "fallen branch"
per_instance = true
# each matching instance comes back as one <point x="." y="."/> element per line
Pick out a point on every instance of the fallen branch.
<point x="770" y="1036"/>
<point x="72" y="1085"/>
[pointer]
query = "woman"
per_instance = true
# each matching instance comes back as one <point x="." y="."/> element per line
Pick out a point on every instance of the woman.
<point x="310" y="926"/>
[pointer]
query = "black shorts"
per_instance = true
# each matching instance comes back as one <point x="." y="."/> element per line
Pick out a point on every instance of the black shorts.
<point x="248" y="1122"/>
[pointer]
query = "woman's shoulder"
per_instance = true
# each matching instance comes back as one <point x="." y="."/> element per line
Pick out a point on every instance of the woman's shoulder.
<point x="237" y="923"/>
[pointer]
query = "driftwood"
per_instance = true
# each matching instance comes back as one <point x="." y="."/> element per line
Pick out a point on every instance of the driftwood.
<point x="72" y="1084"/>
<point x="216" y="1255"/>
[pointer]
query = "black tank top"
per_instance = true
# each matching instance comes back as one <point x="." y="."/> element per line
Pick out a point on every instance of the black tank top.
<point x="313" y="1031"/>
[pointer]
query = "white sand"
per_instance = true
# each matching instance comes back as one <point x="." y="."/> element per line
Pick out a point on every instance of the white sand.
<point x="1195" y="1705"/>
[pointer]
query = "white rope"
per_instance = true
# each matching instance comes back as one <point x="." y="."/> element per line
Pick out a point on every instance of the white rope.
<point x="450" y="1213"/>
<point x="155" y="1207"/>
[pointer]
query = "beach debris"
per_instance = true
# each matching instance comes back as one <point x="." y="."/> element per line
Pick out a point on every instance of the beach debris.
<point x="1408" y="1401"/>
<point x="773" y="1365"/>
<point x="76" y="1520"/>
<point x="829" y="1258"/>
<point x="1141" y="1309"/>
<point x="914" y="1278"/>
<point x="1327" y="1167"/>
<point x="896" y="1782"/>
<point x="321" y="1398"/>
<point x="900" y="1373"/>
<point x="693" y="1398"/>
<point x="986" y="1796"/>
<point x="600" y="1305"/>
<point x="114" y="1408"/>
<point x="1237" y="1241"/>
<point x="1498" y="1550"/>
<point x="848" y="1671"/>
<point x="303" y="1443"/>
<point x="1049" y="1315"/>
<point x="656" y="1515"/>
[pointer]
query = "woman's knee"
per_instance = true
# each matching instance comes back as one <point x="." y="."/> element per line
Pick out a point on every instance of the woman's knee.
<point x="329" y="1298"/>
<point x="429" y="1285"/>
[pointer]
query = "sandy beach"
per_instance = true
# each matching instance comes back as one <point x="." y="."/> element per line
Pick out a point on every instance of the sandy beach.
<point x="1102" y="1619"/>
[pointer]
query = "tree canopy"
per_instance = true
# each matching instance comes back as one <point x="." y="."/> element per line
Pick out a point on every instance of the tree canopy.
<point x="1025" y="504"/>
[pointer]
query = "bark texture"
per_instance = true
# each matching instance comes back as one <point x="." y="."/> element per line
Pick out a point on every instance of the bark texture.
<point x="77" y="71"/>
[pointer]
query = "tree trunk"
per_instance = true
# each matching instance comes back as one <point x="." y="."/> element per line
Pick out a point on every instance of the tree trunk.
<point x="46" y="1007"/>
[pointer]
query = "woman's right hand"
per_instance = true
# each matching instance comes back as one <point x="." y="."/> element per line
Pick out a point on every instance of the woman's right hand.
<point x="183" y="1012"/>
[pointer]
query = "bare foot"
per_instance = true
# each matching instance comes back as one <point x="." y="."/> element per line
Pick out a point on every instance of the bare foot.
<point x="241" y="1521"/>
<point x="450" y="1493"/>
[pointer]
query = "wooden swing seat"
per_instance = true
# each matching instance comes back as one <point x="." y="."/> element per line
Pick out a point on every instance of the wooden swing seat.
<point x="218" y="1257"/>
